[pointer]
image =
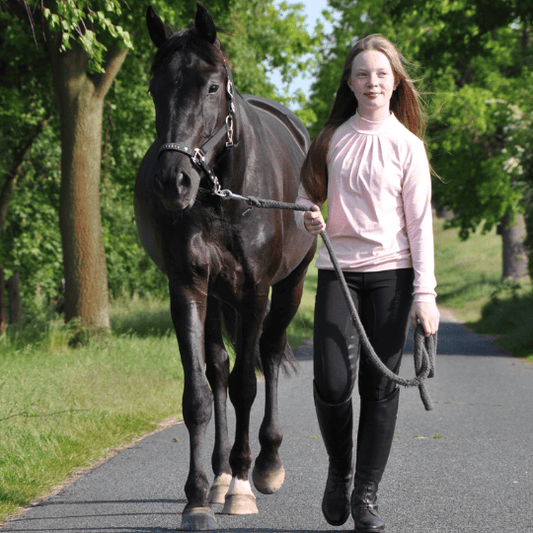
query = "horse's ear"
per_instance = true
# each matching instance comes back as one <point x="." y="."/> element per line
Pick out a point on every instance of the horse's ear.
<point x="159" y="33"/>
<point x="204" y="23"/>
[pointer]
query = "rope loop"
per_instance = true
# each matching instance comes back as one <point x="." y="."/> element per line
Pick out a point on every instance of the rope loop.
<point x="425" y="348"/>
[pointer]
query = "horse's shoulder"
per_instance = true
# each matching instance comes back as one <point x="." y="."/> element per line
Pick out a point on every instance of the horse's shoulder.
<point x="280" y="112"/>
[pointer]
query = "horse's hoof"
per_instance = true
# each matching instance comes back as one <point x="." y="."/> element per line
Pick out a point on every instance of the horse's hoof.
<point x="198" y="519"/>
<point x="240" y="504"/>
<point x="240" y="499"/>
<point x="268" y="483"/>
<point x="219" y="488"/>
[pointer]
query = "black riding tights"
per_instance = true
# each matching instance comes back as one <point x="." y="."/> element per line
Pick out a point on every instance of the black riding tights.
<point x="383" y="301"/>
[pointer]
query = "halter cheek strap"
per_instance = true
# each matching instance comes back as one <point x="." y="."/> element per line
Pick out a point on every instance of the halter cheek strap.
<point x="198" y="155"/>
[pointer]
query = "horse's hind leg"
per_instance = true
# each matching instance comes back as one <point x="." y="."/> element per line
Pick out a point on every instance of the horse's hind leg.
<point x="268" y="474"/>
<point x="217" y="370"/>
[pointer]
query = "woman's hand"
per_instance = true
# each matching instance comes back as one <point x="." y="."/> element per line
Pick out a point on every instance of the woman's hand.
<point x="314" y="221"/>
<point x="428" y="315"/>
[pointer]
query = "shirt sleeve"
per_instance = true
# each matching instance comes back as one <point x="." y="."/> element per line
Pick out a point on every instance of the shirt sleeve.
<point x="416" y="196"/>
<point x="304" y="200"/>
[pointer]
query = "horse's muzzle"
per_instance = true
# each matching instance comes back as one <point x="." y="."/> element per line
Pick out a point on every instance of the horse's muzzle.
<point x="175" y="192"/>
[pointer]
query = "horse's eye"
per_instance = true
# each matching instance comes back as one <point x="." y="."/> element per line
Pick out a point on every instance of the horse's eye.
<point x="213" y="89"/>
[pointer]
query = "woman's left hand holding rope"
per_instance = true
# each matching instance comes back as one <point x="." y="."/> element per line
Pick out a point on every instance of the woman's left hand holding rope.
<point x="428" y="315"/>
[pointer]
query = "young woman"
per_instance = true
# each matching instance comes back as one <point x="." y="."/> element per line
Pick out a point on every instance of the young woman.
<point x="370" y="164"/>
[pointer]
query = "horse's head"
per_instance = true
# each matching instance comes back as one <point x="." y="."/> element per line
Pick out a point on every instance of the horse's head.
<point x="193" y="97"/>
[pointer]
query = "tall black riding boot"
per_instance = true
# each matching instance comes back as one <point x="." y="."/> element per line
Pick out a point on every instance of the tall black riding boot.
<point x="336" y="426"/>
<point x="374" y="440"/>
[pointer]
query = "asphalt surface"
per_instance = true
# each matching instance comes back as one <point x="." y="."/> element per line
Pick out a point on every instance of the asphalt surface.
<point x="465" y="466"/>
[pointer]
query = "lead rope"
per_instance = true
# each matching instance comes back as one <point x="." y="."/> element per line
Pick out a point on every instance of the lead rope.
<point x="425" y="348"/>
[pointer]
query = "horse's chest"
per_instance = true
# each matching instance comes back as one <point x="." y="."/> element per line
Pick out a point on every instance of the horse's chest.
<point x="215" y="259"/>
<point x="221" y="257"/>
<point x="226" y="272"/>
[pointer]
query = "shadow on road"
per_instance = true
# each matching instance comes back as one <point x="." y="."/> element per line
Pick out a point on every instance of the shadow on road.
<point x="456" y="339"/>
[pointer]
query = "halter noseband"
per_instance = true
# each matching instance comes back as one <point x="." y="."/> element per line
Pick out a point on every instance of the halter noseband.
<point x="198" y="155"/>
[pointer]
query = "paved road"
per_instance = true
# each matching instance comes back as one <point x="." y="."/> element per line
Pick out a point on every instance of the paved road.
<point x="466" y="466"/>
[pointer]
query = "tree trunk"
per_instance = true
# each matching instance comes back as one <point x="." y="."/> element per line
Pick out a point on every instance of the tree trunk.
<point x="2" y="301"/>
<point x="515" y="259"/>
<point x="80" y="98"/>
<point x="15" y="300"/>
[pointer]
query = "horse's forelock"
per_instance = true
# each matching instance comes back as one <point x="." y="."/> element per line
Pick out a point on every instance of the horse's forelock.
<point x="188" y="40"/>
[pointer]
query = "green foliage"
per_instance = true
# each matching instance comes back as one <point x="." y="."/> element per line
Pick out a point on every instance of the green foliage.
<point x="25" y="93"/>
<point x="129" y="269"/>
<point x="31" y="244"/>
<point x="85" y="21"/>
<point x="472" y="142"/>
<point x="25" y="88"/>
<point x="262" y="39"/>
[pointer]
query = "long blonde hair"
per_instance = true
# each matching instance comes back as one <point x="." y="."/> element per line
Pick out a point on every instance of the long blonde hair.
<point x="405" y="104"/>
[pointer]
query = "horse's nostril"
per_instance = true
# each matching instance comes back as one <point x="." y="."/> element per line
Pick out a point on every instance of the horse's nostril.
<point x="183" y="182"/>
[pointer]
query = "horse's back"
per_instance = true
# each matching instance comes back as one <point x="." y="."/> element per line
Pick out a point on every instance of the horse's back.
<point x="284" y="115"/>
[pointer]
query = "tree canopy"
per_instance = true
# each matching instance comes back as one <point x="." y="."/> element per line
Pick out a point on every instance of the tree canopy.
<point x="48" y="45"/>
<point x="472" y="62"/>
<point x="471" y="59"/>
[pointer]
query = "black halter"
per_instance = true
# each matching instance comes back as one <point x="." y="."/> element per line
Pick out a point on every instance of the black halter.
<point x="198" y="155"/>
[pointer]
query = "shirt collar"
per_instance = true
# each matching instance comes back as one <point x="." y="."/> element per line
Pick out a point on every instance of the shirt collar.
<point x="363" y="125"/>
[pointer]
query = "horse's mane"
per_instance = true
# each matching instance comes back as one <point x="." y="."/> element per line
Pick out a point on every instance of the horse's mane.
<point x="190" y="40"/>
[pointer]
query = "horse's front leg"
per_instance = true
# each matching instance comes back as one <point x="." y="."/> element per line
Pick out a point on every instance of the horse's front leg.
<point x="242" y="391"/>
<point x="217" y="370"/>
<point x="269" y="474"/>
<point x="188" y="309"/>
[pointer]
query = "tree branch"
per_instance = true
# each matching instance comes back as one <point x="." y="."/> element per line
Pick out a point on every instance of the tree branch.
<point x="22" y="9"/>
<point x="13" y="175"/>
<point x="115" y="59"/>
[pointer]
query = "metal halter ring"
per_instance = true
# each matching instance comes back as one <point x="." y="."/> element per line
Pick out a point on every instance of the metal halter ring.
<point x="198" y="158"/>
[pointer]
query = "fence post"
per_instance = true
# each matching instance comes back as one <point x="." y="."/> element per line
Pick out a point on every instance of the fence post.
<point x="2" y="301"/>
<point x="15" y="301"/>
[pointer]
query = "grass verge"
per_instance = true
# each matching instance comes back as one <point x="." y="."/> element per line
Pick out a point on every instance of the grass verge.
<point x="61" y="408"/>
<point x="469" y="283"/>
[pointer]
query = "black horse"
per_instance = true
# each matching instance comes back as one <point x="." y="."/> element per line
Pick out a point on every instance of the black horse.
<point x="222" y="257"/>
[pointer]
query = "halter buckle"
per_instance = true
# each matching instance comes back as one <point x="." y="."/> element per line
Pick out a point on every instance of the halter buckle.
<point x="198" y="157"/>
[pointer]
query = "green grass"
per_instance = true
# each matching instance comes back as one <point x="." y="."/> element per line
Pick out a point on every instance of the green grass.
<point x="61" y="408"/>
<point x="301" y="328"/>
<point x="509" y="318"/>
<point x="469" y="283"/>
<point x="467" y="272"/>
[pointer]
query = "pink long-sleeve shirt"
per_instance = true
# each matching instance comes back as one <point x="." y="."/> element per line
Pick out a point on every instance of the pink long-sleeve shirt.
<point x="379" y="202"/>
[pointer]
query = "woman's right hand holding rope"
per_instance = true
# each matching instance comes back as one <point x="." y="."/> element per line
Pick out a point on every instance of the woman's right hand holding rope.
<point x="314" y="221"/>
